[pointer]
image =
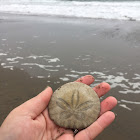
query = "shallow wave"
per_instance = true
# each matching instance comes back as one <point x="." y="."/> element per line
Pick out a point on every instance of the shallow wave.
<point x="91" y="9"/>
<point x="125" y="106"/>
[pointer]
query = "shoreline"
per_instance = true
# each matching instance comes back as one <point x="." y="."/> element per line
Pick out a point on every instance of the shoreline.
<point x="117" y="28"/>
<point x="66" y="17"/>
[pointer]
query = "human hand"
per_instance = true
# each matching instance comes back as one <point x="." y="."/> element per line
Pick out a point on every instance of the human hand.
<point x="30" y="121"/>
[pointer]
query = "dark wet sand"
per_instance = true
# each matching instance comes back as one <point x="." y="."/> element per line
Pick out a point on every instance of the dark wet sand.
<point x="113" y="46"/>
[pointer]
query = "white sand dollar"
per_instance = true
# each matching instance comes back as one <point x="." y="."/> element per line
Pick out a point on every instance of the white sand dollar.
<point x="74" y="105"/>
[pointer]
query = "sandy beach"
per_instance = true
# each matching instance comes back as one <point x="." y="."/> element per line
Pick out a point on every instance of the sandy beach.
<point x="37" y="51"/>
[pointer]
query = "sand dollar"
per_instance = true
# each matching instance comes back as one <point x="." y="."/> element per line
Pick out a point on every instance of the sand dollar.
<point x="74" y="105"/>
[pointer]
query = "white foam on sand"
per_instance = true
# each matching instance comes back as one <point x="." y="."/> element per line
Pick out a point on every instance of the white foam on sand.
<point x="9" y="67"/>
<point x="64" y="78"/>
<point x="59" y="66"/>
<point x="36" y="56"/>
<point x="124" y="106"/>
<point x="45" y="67"/>
<point x="52" y="60"/>
<point x="1" y="54"/>
<point x="72" y="75"/>
<point x="40" y="76"/>
<point x="127" y="91"/>
<point x="3" y="64"/>
<point x="119" y="81"/>
<point x="4" y="39"/>
<point x="130" y="102"/>
<point x="135" y="85"/>
<point x="137" y="76"/>
<point x="97" y="73"/>
<point x="14" y="58"/>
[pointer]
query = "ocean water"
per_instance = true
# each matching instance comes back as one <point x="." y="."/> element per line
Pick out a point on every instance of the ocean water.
<point x="106" y="9"/>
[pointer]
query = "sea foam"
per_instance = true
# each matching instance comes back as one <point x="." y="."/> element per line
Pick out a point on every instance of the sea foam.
<point x="126" y="10"/>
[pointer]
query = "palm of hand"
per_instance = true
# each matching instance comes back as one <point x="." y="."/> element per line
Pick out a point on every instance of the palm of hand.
<point x="39" y="128"/>
<point x="30" y="121"/>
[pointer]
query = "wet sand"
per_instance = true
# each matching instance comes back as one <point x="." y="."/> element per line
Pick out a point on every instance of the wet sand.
<point x="38" y="51"/>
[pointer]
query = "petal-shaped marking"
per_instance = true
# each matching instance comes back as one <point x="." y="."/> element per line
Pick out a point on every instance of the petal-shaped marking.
<point x="75" y="99"/>
<point x="65" y="115"/>
<point x="62" y="104"/>
<point x="84" y="106"/>
<point x="79" y="116"/>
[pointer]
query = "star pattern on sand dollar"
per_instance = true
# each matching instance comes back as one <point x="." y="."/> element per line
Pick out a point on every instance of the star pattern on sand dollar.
<point x="74" y="108"/>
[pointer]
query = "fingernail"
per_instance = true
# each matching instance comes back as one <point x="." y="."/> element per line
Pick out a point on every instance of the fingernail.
<point x="46" y="87"/>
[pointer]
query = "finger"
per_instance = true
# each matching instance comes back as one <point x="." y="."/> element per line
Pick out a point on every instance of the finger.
<point x="66" y="136"/>
<point x="88" y="79"/>
<point x="37" y="104"/>
<point x="97" y="127"/>
<point x="102" y="89"/>
<point x="108" y="104"/>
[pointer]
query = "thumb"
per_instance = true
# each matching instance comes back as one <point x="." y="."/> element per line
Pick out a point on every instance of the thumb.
<point x="37" y="104"/>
